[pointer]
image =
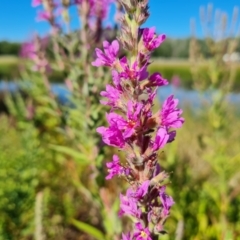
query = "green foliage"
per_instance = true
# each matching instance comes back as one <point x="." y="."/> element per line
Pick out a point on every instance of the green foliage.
<point x="8" y="68"/>
<point x="89" y="229"/>
<point x="206" y="160"/>
<point x="204" y="180"/>
<point x="9" y="48"/>
<point x="19" y="160"/>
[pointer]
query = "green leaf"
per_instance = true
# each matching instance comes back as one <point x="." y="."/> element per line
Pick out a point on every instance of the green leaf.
<point x="79" y="157"/>
<point x="94" y="232"/>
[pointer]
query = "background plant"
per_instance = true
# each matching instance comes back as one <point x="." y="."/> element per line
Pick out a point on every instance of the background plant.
<point x="68" y="173"/>
<point x="207" y="168"/>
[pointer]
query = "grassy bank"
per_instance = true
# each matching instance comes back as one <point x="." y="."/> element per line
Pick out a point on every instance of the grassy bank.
<point x="9" y="67"/>
<point x="9" y="70"/>
<point x="182" y="69"/>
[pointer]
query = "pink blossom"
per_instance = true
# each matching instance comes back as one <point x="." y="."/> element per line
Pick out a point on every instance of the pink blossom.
<point x="140" y="192"/>
<point x="128" y="126"/>
<point x="112" y="136"/>
<point x="28" y="50"/>
<point x="170" y="114"/>
<point x="108" y="57"/>
<point x="167" y="201"/>
<point x="150" y="40"/>
<point x="141" y="233"/>
<point x="114" y="167"/>
<point x="98" y="8"/>
<point x="117" y="80"/>
<point x="43" y="16"/>
<point x="126" y="237"/>
<point x="129" y="206"/>
<point x="133" y="72"/>
<point x="36" y="3"/>
<point x="161" y="139"/>
<point x="156" y="80"/>
<point x="113" y="96"/>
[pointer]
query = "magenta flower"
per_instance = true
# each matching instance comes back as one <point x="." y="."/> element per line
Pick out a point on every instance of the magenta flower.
<point x="157" y="170"/>
<point x="161" y="139"/>
<point x="28" y="50"/>
<point x="170" y="114"/>
<point x="140" y="192"/>
<point x="36" y="3"/>
<point x="133" y="72"/>
<point x="128" y="126"/>
<point x="128" y="206"/>
<point x="114" y="167"/>
<point x="98" y="8"/>
<point x="141" y="233"/>
<point x="117" y="80"/>
<point x="43" y="16"/>
<point x="133" y="116"/>
<point x="167" y="201"/>
<point x="150" y="40"/>
<point x="113" y="96"/>
<point x="112" y="136"/>
<point x="172" y="135"/>
<point x="108" y="57"/>
<point x="126" y="237"/>
<point x="156" y="80"/>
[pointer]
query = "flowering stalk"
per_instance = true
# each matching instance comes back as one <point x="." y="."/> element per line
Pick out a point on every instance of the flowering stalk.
<point x="133" y="128"/>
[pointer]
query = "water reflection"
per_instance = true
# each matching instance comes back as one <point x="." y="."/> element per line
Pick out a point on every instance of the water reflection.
<point x="190" y="98"/>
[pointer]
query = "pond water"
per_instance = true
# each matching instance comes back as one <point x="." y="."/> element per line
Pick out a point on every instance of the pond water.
<point x="190" y="98"/>
<point x="193" y="98"/>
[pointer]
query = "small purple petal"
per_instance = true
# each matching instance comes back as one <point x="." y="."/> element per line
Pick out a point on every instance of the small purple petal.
<point x="161" y="139"/>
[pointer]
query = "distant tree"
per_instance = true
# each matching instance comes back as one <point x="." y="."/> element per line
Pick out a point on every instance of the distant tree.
<point x="9" y="48"/>
<point x="180" y="48"/>
<point x="165" y="51"/>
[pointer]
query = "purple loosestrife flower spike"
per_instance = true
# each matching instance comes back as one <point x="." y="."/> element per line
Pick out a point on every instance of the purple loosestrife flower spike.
<point x="133" y="127"/>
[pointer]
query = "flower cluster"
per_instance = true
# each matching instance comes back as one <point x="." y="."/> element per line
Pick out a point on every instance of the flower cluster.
<point x="35" y="51"/>
<point x="97" y="8"/>
<point x="133" y="127"/>
<point x="49" y="13"/>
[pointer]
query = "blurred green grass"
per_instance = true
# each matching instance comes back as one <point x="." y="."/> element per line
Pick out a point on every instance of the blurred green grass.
<point x="9" y="67"/>
<point x="18" y="181"/>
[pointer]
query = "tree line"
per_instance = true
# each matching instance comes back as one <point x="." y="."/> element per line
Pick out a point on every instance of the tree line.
<point x="9" y="48"/>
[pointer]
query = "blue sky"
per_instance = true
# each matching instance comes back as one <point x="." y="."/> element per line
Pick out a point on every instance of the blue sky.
<point x="172" y="17"/>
